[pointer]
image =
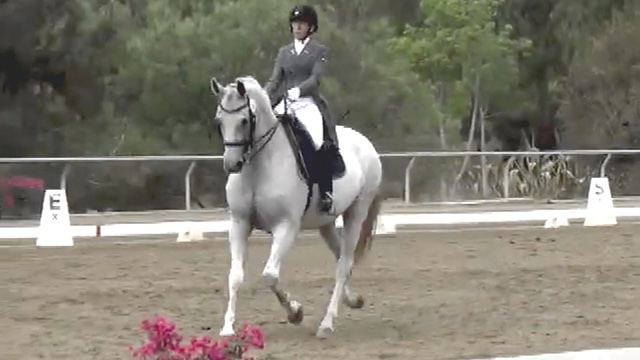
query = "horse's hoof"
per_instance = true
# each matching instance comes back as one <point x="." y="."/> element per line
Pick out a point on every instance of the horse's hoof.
<point x="227" y="331"/>
<point x="297" y="314"/>
<point x="323" y="332"/>
<point x="357" y="303"/>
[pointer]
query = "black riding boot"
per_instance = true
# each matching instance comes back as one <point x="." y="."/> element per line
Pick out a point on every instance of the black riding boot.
<point x="325" y="183"/>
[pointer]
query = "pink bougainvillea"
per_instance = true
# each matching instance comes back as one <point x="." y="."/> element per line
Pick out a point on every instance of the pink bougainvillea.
<point x="165" y="343"/>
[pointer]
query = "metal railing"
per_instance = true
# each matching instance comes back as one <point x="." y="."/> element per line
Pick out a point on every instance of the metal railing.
<point x="194" y="159"/>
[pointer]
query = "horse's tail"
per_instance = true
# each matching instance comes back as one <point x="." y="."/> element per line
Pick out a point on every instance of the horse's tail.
<point x="366" y="231"/>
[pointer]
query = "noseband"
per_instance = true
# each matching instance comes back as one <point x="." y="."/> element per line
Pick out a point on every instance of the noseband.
<point x="248" y="144"/>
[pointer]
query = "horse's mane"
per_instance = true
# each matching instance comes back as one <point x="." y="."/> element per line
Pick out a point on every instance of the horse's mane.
<point x="255" y="90"/>
<point x="248" y="81"/>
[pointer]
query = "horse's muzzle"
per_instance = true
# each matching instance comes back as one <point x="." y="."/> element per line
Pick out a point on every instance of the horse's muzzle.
<point x="233" y="168"/>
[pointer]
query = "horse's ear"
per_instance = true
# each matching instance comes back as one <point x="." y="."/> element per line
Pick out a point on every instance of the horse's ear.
<point x="216" y="88"/>
<point x="241" y="89"/>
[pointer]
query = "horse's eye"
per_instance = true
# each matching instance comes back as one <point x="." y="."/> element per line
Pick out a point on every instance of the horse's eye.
<point x="244" y="122"/>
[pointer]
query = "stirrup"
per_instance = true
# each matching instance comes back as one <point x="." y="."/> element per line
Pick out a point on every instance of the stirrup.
<point x="326" y="203"/>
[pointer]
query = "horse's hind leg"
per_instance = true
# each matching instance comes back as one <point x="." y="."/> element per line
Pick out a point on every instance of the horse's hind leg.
<point x="284" y="235"/>
<point x="353" y="219"/>
<point x="330" y="235"/>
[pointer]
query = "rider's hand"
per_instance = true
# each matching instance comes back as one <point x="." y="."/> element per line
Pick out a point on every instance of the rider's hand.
<point x="293" y="94"/>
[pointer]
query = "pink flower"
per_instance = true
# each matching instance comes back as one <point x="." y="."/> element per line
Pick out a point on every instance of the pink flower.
<point x="164" y="343"/>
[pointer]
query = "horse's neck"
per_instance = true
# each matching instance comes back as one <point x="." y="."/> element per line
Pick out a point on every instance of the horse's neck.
<point x="274" y="154"/>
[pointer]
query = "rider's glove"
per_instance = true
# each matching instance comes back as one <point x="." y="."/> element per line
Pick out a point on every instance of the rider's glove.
<point x="293" y="94"/>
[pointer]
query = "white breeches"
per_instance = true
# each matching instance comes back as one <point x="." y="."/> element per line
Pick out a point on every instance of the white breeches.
<point x="309" y="115"/>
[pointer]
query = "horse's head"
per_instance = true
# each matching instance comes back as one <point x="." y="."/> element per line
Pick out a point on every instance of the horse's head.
<point x="236" y="118"/>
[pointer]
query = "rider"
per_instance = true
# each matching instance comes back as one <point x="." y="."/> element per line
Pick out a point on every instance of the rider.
<point x="299" y="67"/>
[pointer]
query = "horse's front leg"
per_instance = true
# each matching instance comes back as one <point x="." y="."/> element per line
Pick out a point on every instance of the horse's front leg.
<point x="284" y="235"/>
<point x="238" y="234"/>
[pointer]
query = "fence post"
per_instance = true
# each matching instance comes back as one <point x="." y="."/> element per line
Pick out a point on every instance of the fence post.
<point x="63" y="177"/>
<point x="506" y="178"/>
<point x="603" y="167"/>
<point x="187" y="185"/>
<point x="407" y="181"/>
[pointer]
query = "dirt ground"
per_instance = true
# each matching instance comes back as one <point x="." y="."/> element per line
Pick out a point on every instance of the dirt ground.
<point x="429" y="296"/>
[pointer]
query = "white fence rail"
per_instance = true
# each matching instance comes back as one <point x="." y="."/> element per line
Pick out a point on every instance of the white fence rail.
<point x="194" y="159"/>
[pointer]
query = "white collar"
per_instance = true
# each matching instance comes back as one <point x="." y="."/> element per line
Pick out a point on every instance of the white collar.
<point x="300" y="44"/>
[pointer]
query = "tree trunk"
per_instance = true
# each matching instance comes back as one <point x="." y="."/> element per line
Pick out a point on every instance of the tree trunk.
<point x="472" y="130"/>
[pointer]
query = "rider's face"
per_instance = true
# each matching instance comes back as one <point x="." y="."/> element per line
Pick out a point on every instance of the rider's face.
<point x="300" y="29"/>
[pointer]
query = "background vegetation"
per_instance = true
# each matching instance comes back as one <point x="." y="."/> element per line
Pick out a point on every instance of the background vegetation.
<point x="107" y="77"/>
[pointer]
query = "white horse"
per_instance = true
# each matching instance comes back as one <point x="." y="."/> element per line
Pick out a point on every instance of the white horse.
<point x="265" y="191"/>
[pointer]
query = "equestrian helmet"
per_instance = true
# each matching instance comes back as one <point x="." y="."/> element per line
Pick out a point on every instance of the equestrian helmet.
<point x="305" y="13"/>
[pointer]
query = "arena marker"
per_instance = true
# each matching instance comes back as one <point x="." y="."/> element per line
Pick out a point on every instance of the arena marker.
<point x="600" y="210"/>
<point x="55" y="224"/>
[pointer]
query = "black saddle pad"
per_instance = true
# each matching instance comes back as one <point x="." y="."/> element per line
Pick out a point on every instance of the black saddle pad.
<point x="303" y="145"/>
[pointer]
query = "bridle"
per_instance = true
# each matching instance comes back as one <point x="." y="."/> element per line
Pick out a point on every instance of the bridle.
<point x="249" y="145"/>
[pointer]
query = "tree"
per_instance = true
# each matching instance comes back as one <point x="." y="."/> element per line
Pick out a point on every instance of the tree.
<point x="600" y="100"/>
<point x="601" y="94"/>
<point x="461" y="51"/>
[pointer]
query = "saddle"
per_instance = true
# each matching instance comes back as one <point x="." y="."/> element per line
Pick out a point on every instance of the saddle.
<point x="311" y="167"/>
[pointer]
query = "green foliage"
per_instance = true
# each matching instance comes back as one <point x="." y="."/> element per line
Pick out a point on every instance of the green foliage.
<point x="150" y="62"/>
<point x="163" y="62"/>
<point x="136" y="72"/>
<point x="602" y="90"/>
<point x="457" y="41"/>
